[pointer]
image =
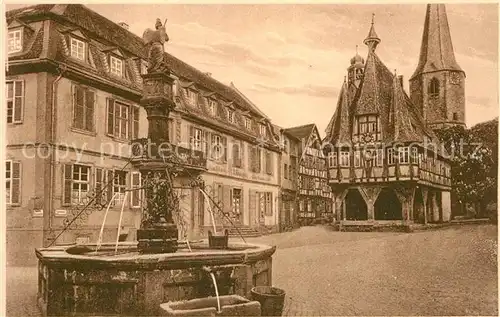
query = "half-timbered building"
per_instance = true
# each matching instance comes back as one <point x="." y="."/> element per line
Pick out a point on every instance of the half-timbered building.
<point x="385" y="165"/>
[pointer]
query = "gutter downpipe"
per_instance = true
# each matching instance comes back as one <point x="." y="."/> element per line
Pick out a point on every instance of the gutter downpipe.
<point x="48" y="217"/>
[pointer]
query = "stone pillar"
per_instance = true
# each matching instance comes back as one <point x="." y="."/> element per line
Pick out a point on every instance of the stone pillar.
<point x="370" y="195"/>
<point x="425" y="194"/>
<point x="446" y="206"/>
<point x="406" y="195"/>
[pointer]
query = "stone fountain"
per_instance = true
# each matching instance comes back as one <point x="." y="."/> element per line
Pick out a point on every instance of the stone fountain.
<point x="137" y="278"/>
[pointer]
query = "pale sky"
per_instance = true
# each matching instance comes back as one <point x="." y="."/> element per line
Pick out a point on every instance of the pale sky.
<point x="290" y="60"/>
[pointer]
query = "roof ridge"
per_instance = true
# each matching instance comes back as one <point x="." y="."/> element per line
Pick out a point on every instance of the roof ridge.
<point x="232" y="86"/>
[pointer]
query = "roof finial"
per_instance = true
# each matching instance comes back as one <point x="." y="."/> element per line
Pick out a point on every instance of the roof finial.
<point x="356" y="49"/>
<point x="373" y="18"/>
<point x="395" y="72"/>
<point x="344" y="79"/>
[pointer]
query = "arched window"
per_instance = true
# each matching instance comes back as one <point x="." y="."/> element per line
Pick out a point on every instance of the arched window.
<point x="434" y="87"/>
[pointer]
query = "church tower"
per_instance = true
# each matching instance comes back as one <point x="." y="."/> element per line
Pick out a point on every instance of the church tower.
<point x="437" y="87"/>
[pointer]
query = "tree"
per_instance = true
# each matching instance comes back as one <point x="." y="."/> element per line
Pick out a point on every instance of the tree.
<point x="474" y="158"/>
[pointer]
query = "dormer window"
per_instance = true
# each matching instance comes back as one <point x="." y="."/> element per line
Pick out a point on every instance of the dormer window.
<point x="144" y="67"/>
<point x="116" y="66"/>
<point x="190" y="95"/>
<point x="212" y="106"/>
<point x="368" y="124"/>
<point x="77" y="49"/>
<point x="230" y="115"/>
<point x="248" y="123"/>
<point x="262" y="130"/>
<point x="15" y="41"/>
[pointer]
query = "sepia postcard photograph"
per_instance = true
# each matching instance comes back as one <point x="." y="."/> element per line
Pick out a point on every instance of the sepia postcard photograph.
<point x="250" y="159"/>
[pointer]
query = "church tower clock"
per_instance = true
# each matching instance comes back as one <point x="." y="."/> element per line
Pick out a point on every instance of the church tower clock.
<point x="437" y="87"/>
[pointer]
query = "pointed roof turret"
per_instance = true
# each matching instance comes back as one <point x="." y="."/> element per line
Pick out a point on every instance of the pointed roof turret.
<point x="372" y="39"/>
<point x="436" y="52"/>
<point x="403" y="128"/>
<point x="368" y="98"/>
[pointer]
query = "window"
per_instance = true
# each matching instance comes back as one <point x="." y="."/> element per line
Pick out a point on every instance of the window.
<point x="455" y="116"/>
<point x="433" y="87"/>
<point x="269" y="163"/>
<point x="120" y="118"/>
<point x="135" y="197"/>
<point x="80" y="184"/>
<point x="119" y="186"/>
<point x="83" y="108"/>
<point x="248" y="123"/>
<point x="76" y="184"/>
<point x="218" y="147"/>
<point x="391" y="159"/>
<point x="262" y="130"/>
<point x="285" y="171"/>
<point x="237" y="154"/>
<point x="116" y="66"/>
<point x="15" y="41"/>
<point x="344" y="158"/>
<point x="380" y="157"/>
<point x="230" y="115"/>
<point x="404" y="155"/>
<point x="285" y="145"/>
<point x="309" y="205"/>
<point x="268" y="204"/>
<point x="291" y="171"/>
<point x="190" y="95"/>
<point x="301" y="205"/>
<point x="13" y="182"/>
<point x="236" y="200"/>
<point x="367" y="124"/>
<point x="212" y="106"/>
<point x="144" y="67"/>
<point x="414" y="155"/>
<point x="77" y="49"/>
<point x="255" y="159"/>
<point x="357" y="158"/>
<point x="332" y="158"/>
<point x="15" y="101"/>
<point x="197" y="139"/>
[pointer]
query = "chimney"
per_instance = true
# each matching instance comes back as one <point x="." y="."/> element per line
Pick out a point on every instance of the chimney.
<point x="400" y="78"/>
<point x="123" y="25"/>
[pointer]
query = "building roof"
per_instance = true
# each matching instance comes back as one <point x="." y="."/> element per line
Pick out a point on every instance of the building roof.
<point x="380" y="92"/>
<point x="436" y="51"/>
<point x="104" y="35"/>
<point x="302" y="131"/>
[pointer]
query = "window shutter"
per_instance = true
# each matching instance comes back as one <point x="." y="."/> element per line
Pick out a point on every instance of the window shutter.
<point x="269" y="204"/>
<point x="206" y="142"/>
<point x="111" y="116"/>
<point x="226" y="194"/>
<point x="16" y="183"/>
<point x="68" y="182"/>
<point x="242" y="155"/>
<point x="89" y="113"/>
<point x="252" y="200"/>
<point x="250" y="157"/>
<point x="136" y="193"/>
<point x="110" y="183"/>
<point x="135" y="122"/>
<point x="18" y="101"/>
<point x="78" y="107"/>
<point x="224" y="148"/>
<point x="98" y="185"/>
<point x="191" y="136"/>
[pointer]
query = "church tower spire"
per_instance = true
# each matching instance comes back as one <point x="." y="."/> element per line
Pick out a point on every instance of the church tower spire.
<point x="437" y="85"/>
<point x="372" y="39"/>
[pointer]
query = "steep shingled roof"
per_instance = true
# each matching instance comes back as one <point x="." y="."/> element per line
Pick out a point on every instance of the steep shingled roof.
<point x="116" y="35"/>
<point x="436" y="51"/>
<point x="339" y="128"/>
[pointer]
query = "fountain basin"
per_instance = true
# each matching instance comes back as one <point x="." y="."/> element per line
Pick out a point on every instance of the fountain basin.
<point x="77" y="280"/>
<point x="231" y="305"/>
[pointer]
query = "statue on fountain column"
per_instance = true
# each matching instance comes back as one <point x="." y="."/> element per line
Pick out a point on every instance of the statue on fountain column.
<point x="155" y="40"/>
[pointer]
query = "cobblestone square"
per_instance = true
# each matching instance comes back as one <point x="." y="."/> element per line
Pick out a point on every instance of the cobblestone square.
<point x="450" y="271"/>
